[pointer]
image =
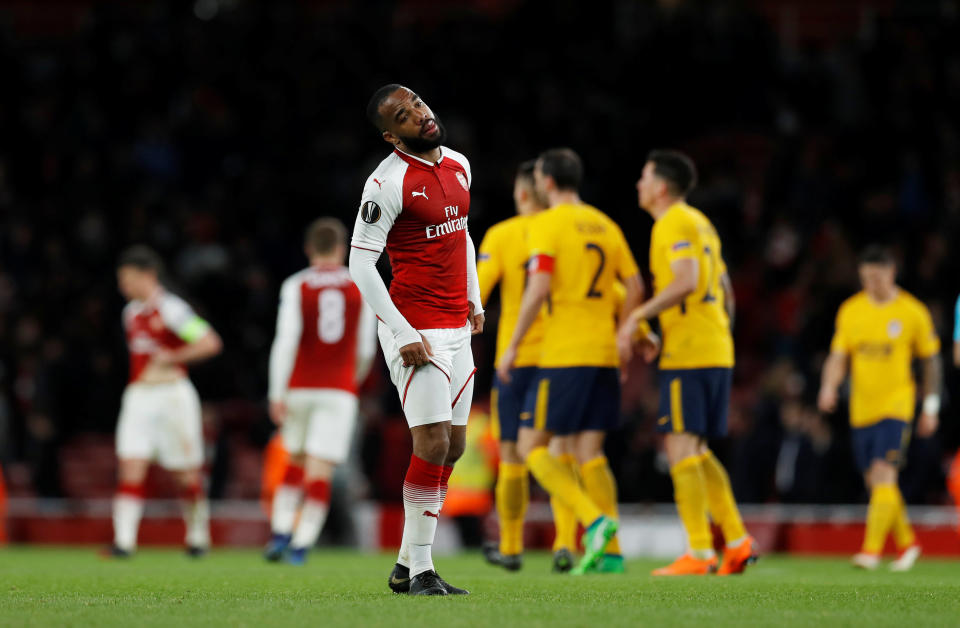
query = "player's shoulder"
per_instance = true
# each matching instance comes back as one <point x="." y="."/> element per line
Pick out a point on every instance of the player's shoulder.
<point x="458" y="158"/>
<point x="388" y="174"/>
<point x="853" y="304"/>
<point x="912" y="303"/>
<point x="295" y="280"/>
<point x="172" y="306"/>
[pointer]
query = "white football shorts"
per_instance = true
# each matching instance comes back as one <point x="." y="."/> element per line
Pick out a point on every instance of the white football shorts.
<point x="162" y="423"/>
<point x="441" y="390"/>
<point x="320" y="423"/>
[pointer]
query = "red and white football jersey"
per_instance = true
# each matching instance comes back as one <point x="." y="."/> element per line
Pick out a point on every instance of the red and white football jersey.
<point x="418" y="211"/>
<point x="158" y="323"/>
<point x="323" y="327"/>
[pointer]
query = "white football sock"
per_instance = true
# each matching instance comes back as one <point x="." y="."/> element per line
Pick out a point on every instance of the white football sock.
<point x="312" y="516"/>
<point x="196" y="516"/>
<point x="127" y="511"/>
<point x="285" y="502"/>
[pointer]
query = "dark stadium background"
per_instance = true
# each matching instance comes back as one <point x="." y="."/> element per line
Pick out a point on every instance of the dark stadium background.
<point x="215" y="130"/>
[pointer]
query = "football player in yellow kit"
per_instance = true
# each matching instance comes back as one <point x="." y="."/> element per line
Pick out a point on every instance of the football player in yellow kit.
<point x="879" y="332"/>
<point x="503" y="259"/>
<point x="693" y="298"/>
<point x="577" y="255"/>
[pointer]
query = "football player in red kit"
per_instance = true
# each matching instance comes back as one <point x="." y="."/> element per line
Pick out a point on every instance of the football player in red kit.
<point x="325" y="343"/>
<point x="415" y="205"/>
<point x="160" y="411"/>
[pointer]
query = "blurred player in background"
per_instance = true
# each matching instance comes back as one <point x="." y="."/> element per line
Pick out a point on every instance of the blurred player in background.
<point x="503" y="259"/>
<point x="323" y="349"/>
<point x="879" y="332"/>
<point x="577" y="254"/>
<point x="693" y="298"/>
<point x="415" y="204"/>
<point x="160" y="412"/>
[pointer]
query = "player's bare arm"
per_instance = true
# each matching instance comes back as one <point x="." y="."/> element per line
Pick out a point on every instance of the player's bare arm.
<point x="476" y="321"/>
<point x="649" y="341"/>
<point x="729" y="302"/>
<point x="834" y="372"/>
<point x="203" y="348"/>
<point x="685" y="277"/>
<point x="538" y="288"/>
<point x="956" y="353"/>
<point x="931" y="377"/>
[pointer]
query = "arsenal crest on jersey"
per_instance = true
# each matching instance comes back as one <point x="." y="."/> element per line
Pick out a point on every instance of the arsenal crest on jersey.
<point x="463" y="181"/>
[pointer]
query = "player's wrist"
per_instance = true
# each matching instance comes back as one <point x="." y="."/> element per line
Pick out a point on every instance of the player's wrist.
<point x="931" y="404"/>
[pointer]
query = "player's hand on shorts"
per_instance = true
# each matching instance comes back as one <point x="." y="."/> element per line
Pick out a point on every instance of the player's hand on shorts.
<point x="506" y="363"/>
<point x="927" y="425"/>
<point x="827" y="399"/>
<point x="650" y="347"/>
<point x="278" y="412"/>
<point x="416" y="353"/>
<point x="476" y="321"/>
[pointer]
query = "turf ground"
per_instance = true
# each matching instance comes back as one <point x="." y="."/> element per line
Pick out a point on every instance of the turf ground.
<point x="72" y="587"/>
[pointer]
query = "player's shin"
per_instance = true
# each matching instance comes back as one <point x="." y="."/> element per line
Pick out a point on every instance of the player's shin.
<point x="313" y="514"/>
<point x="722" y="504"/>
<point x="881" y="514"/>
<point x="196" y="516"/>
<point x="421" y="505"/>
<point x="600" y="485"/>
<point x="561" y="483"/>
<point x="286" y="500"/>
<point x="690" y="493"/>
<point x="513" y="496"/>
<point x="903" y="533"/>
<point x="127" y="511"/>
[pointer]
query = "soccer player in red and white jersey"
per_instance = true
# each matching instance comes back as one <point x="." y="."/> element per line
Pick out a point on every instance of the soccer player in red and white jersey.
<point x="325" y="343"/>
<point x="415" y="205"/>
<point x="160" y="412"/>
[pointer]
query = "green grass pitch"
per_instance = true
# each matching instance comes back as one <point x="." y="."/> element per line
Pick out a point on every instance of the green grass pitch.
<point x="73" y="587"/>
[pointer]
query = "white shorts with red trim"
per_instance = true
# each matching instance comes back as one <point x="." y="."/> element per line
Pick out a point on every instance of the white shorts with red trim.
<point x="441" y="390"/>
<point x="320" y="422"/>
<point x="162" y="423"/>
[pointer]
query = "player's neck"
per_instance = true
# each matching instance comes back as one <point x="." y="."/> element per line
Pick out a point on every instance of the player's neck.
<point x="528" y="209"/>
<point x="563" y="197"/>
<point x="326" y="261"/>
<point x="433" y="155"/>
<point x="661" y="206"/>
<point x="882" y="298"/>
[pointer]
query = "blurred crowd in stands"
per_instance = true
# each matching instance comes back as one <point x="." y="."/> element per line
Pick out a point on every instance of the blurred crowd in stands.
<point x="215" y="130"/>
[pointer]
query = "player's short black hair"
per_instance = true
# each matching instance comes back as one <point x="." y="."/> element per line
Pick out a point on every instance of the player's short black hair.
<point x="676" y="168"/>
<point x="564" y="165"/>
<point x="525" y="170"/>
<point x="324" y="234"/>
<point x="877" y="254"/>
<point x="142" y="257"/>
<point x="373" y="107"/>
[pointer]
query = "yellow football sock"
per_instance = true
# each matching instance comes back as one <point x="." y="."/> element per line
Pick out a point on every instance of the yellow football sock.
<point x="902" y="530"/>
<point x="690" y="493"/>
<point x="564" y="519"/>
<point x="560" y="483"/>
<point x="723" y="506"/>
<point x="601" y="486"/>
<point x="513" y="496"/>
<point x="880" y="515"/>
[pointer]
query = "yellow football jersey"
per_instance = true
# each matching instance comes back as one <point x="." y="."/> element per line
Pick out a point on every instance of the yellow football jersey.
<point x="586" y="252"/>
<point x="696" y="333"/>
<point x="882" y="340"/>
<point x="503" y="258"/>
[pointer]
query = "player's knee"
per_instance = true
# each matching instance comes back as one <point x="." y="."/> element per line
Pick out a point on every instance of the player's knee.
<point x="432" y="442"/>
<point x="455" y="451"/>
<point x="509" y="452"/>
<point x="881" y="472"/>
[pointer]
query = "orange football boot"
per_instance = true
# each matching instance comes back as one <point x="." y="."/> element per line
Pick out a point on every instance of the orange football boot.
<point x="688" y="565"/>
<point x="736" y="559"/>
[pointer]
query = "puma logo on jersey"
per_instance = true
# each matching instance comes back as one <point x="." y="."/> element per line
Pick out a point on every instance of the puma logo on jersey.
<point x="379" y="183"/>
<point x="427" y="513"/>
<point x="422" y="193"/>
<point x="663" y="420"/>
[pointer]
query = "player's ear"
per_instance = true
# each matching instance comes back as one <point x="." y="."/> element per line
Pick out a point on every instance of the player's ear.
<point x="390" y="138"/>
